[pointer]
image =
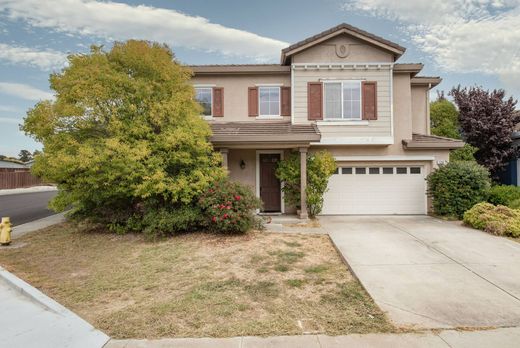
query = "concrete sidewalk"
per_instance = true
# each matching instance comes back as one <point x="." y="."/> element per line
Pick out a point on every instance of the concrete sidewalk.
<point x="503" y="338"/>
<point x="29" y="318"/>
<point x="36" y="225"/>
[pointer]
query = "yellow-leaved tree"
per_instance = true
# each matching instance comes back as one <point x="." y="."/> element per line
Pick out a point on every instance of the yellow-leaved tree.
<point x="124" y="139"/>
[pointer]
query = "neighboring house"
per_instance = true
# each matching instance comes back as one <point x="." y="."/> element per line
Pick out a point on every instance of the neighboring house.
<point x="341" y="91"/>
<point x="7" y="165"/>
<point x="511" y="173"/>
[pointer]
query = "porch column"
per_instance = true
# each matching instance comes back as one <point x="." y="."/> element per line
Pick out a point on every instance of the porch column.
<point x="303" y="183"/>
<point x="224" y="153"/>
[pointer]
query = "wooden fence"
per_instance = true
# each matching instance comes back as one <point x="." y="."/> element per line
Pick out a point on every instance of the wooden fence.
<point x="11" y="180"/>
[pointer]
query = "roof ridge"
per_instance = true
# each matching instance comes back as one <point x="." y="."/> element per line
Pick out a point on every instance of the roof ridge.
<point x="347" y="27"/>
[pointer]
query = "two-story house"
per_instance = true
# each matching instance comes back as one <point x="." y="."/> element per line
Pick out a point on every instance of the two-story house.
<point x="342" y="91"/>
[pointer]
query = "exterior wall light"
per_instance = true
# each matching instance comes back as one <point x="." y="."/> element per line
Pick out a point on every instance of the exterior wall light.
<point x="242" y="164"/>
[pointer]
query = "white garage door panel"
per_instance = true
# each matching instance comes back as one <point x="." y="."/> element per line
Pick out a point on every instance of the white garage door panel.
<point x="376" y="194"/>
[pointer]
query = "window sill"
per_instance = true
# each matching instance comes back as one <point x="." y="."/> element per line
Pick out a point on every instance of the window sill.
<point x="343" y="123"/>
<point x="207" y="118"/>
<point x="269" y="117"/>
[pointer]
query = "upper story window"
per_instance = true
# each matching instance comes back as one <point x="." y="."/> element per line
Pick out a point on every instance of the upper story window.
<point x="269" y="101"/>
<point x="342" y="100"/>
<point x="204" y="96"/>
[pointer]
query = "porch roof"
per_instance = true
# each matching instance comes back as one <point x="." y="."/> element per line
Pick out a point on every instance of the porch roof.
<point x="263" y="132"/>
<point x="423" y="142"/>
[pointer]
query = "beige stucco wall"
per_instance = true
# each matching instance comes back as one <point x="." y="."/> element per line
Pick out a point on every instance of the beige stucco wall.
<point x="420" y="110"/>
<point x="359" y="51"/>
<point x="236" y="92"/>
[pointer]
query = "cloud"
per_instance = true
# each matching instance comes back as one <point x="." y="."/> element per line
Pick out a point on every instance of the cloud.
<point x="42" y="59"/>
<point x="118" y="21"/>
<point x="468" y="36"/>
<point x="22" y="91"/>
<point x="9" y="120"/>
<point x="7" y="108"/>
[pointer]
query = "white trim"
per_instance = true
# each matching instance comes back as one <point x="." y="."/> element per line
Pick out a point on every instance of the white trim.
<point x="382" y="158"/>
<point x="269" y="117"/>
<point x="342" y="123"/>
<point x="392" y="101"/>
<point x="207" y="117"/>
<point x="355" y="141"/>
<point x="343" y="66"/>
<point x="269" y="85"/>
<point x="292" y="94"/>
<point x="204" y="85"/>
<point x="257" y="179"/>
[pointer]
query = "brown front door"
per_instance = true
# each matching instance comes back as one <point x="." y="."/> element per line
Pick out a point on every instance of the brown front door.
<point x="269" y="184"/>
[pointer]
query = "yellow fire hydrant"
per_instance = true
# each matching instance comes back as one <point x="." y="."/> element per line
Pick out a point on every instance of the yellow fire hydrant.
<point x="5" y="231"/>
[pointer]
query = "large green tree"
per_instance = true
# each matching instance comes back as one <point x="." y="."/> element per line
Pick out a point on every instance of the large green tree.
<point x="123" y="137"/>
<point x="444" y="118"/>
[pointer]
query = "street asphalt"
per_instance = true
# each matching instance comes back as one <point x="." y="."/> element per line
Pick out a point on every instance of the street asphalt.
<point x="26" y="207"/>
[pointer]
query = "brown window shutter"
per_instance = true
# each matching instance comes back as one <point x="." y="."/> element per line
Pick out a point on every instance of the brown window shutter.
<point x="286" y="101"/>
<point x="315" y="101"/>
<point x="218" y="102"/>
<point x="252" y="100"/>
<point x="369" y="97"/>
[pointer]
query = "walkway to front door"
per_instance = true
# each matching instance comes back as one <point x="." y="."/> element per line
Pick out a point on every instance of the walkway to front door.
<point x="270" y="185"/>
<point x="425" y="272"/>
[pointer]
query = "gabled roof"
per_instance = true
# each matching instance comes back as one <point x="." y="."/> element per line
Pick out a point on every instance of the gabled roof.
<point x="425" y="142"/>
<point x="343" y="28"/>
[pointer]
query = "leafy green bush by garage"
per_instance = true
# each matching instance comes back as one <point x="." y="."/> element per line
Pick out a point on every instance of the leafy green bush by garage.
<point x="457" y="186"/>
<point x="504" y="195"/>
<point x="320" y="166"/>
<point x="499" y="220"/>
<point x="229" y="207"/>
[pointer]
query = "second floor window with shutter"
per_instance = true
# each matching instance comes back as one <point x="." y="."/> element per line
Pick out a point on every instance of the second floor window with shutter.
<point x="205" y="98"/>
<point x="342" y="100"/>
<point x="269" y="98"/>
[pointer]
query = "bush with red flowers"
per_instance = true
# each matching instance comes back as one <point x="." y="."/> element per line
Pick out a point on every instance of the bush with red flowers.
<point x="229" y="207"/>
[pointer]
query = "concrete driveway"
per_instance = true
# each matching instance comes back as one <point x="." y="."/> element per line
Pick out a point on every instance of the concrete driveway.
<point x="425" y="272"/>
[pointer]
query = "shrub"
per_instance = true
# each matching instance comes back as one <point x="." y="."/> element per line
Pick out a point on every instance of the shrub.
<point x="499" y="220"/>
<point x="320" y="166"/>
<point x="465" y="153"/>
<point x="229" y="207"/>
<point x="457" y="186"/>
<point x="504" y="195"/>
<point x="161" y="222"/>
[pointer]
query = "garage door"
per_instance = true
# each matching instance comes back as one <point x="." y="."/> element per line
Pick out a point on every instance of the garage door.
<point x="376" y="190"/>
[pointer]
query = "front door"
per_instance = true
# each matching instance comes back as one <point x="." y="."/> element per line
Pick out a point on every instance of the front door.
<point x="269" y="184"/>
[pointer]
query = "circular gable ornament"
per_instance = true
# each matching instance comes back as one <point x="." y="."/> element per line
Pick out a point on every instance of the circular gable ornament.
<point x="342" y="50"/>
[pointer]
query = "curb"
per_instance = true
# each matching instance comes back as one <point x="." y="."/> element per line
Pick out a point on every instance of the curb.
<point x="32" y="226"/>
<point x="34" y="189"/>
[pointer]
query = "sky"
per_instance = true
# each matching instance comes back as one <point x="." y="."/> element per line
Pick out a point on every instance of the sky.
<point x="466" y="42"/>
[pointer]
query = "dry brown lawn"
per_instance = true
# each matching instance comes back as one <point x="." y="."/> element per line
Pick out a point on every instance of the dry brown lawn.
<point x="197" y="284"/>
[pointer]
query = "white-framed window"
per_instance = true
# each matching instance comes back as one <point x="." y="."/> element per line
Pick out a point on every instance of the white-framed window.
<point x="269" y="101"/>
<point x="342" y="100"/>
<point x="204" y="96"/>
